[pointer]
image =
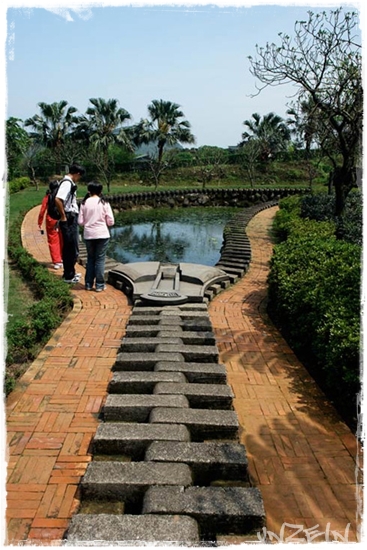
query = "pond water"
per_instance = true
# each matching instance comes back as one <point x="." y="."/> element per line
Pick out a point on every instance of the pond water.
<point x="192" y="235"/>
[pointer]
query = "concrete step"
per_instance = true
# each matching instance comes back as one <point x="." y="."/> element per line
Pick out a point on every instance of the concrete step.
<point x="137" y="407"/>
<point x="147" y="344"/>
<point x="238" y="256"/>
<point x="128" y="481"/>
<point x="241" y="264"/>
<point x="203" y="424"/>
<point x="200" y="373"/>
<point x="200" y="396"/>
<point x="141" y="381"/>
<point x="132" y="439"/>
<point x="168" y="330"/>
<point x="197" y="324"/>
<point x="135" y="529"/>
<point x="204" y="354"/>
<point x="231" y="271"/>
<point x="237" y="510"/>
<point x="208" y="461"/>
<point x="191" y="338"/>
<point x="141" y="361"/>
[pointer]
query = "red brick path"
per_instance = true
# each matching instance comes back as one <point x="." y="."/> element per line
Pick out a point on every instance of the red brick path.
<point x="302" y="457"/>
<point x="53" y="413"/>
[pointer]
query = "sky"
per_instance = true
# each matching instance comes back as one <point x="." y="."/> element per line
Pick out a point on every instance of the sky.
<point x="195" y="55"/>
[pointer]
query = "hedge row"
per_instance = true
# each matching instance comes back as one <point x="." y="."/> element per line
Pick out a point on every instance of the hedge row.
<point x="314" y="298"/>
<point x="54" y="300"/>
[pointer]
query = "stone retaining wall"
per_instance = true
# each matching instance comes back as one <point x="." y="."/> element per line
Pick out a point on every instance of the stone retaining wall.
<point x="199" y="197"/>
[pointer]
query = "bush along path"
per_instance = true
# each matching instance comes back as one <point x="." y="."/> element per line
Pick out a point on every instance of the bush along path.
<point x="300" y="456"/>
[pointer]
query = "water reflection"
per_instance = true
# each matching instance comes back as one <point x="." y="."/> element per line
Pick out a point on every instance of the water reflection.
<point x="192" y="235"/>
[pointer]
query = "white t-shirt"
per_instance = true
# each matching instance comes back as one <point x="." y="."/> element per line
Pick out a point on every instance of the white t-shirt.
<point x="96" y="217"/>
<point x="68" y="198"/>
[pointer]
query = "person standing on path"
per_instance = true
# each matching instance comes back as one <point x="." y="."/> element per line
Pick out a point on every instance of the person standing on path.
<point x="54" y="237"/>
<point x="96" y="216"/>
<point x="67" y="206"/>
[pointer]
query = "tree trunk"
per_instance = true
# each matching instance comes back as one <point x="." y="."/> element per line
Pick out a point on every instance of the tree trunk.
<point x="343" y="181"/>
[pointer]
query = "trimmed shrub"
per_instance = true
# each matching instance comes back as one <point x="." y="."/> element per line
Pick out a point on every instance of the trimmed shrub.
<point x="43" y="317"/>
<point x="314" y="298"/>
<point x="17" y="184"/>
<point x="321" y="207"/>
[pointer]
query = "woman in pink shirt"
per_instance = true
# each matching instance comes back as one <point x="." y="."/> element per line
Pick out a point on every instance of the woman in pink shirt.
<point x="96" y="216"/>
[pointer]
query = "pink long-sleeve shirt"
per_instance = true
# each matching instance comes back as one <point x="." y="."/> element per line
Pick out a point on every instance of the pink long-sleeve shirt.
<point x="96" y="218"/>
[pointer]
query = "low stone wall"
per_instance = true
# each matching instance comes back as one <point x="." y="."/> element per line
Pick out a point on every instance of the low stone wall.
<point x="199" y="197"/>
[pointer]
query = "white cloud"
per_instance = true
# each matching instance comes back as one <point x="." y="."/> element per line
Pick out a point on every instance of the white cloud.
<point x="65" y="13"/>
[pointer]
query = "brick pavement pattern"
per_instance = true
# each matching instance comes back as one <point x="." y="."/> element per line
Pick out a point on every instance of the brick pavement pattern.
<point x="302" y="457"/>
<point x="53" y="413"/>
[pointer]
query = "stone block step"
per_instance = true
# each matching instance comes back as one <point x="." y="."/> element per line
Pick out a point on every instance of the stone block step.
<point x="132" y="439"/>
<point x="191" y="338"/>
<point x="238" y="240"/>
<point x="237" y="510"/>
<point x="141" y="382"/>
<point x="208" y="461"/>
<point x="202" y="423"/>
<point x="239" y="257"/>
<point x="200" y="396"/>
<point x="197" y="324"/>
<point x="150" y="331"/>
<point x="204" y="354"/>
<point x="137" y="407"/>
<point x="235" y="272"/>
<point x="147" y="332"/>
<point x="186" y="314"/>
<point x="140" y="361"/>
<point x="172" y="308"/>
<point x="201" y="373"/>
<point x="134" y="529"/>
<point x="128" y="481"/>
<point x="147" y="344"/>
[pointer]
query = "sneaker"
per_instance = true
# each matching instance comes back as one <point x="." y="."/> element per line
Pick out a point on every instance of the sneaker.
<point x="100" y="289"/>
<point x="57" y="266"/>
<point x="73" y="281"/>
<point x="88" y="287"/>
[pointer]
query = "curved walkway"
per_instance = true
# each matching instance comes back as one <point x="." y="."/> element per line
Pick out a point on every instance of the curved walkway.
<point x="302" y="457"/>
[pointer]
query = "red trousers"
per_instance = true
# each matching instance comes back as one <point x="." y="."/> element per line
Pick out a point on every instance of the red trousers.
<point x="54" y="237"/>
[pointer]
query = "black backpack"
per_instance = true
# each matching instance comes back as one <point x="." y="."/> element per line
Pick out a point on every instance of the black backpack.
<point x="54" y="186"/>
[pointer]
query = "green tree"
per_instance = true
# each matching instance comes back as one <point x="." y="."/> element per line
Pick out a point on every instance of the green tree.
<point x="165" y="127"/>
<point x="271" y="133"/>
<point x="324" y="61"/>
<point x="52" y="128"/>
<point x="100" y="130"/>
<point x="17" y="142"/>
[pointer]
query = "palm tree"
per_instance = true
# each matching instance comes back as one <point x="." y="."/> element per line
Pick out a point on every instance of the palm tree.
<point x="101" y="128"/>
<point x="52" y="127"/>
<point x="271" y="132"/>
<point x="164" y="127"/>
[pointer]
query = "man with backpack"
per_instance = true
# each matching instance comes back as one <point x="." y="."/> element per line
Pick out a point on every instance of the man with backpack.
<point x="67" y="206"/>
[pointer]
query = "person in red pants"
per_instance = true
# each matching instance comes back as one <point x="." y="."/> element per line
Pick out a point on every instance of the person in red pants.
<point x="54" y="236"/>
